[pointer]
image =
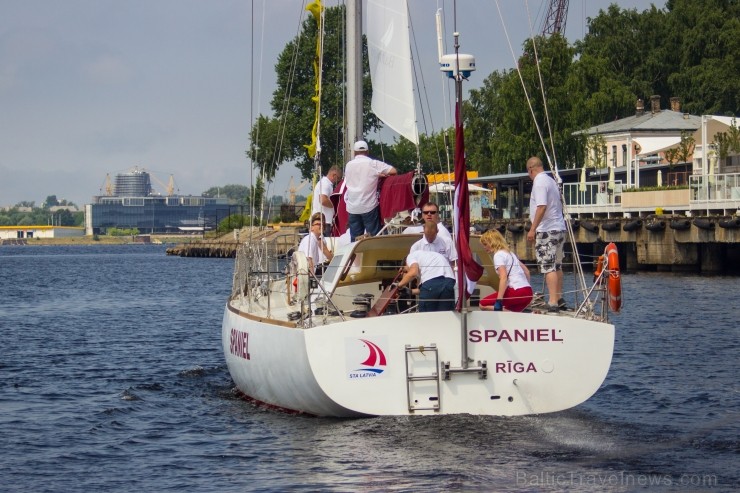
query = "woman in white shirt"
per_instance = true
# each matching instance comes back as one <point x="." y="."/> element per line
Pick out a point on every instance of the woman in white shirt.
<point x="512" y="273"/>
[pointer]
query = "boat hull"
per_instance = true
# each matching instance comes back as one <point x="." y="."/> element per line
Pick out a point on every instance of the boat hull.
<point x="412" y="363"/>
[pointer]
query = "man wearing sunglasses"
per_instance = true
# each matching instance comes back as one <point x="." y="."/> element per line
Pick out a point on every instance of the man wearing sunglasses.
<point x="312" y="246"/>
<point x="433" y="242"/>
<point x="436" y="280"/>
<point x="430" y="212"/>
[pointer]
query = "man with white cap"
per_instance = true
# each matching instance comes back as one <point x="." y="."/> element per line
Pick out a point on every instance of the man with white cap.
<point x="361" y="177"/>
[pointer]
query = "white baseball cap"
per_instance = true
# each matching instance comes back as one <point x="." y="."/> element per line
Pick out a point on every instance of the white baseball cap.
<point x="360" y="145"/>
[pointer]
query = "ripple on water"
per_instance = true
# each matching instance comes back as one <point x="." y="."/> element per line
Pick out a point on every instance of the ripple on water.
<point x="114" y="380"/>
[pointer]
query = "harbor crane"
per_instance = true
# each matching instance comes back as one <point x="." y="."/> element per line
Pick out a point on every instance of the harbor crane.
<point x="293" y="189"/>
<point x="169" y="187"/>
<point x="557" y="13"/>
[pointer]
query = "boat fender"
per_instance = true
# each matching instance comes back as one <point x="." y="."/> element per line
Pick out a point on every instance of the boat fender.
<point x="633" y="225"/>
<point x="299" y="272"/>
<point x="614" y="285"/>
<point x="703" y="223"/>
<point x="680" y="224"/>
<point x="610" y="225"/>
<point x="729" y="222"/>
<point x="658" y="225"/>
<point x="590" y="226"/>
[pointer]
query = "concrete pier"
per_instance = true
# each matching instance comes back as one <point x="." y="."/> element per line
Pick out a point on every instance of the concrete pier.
<point x="664" y="243"/>
<point x="279" y="239"/>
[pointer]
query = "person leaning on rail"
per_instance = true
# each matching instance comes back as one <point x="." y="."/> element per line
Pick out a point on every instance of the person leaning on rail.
<point x="361" y="176"/>
<point x="437" y="281"/>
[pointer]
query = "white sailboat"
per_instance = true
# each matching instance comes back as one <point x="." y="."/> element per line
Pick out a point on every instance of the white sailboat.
<point x="344" y="345"/>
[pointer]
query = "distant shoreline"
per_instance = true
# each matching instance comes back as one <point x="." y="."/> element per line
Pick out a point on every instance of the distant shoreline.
<point x="105" y="240"/>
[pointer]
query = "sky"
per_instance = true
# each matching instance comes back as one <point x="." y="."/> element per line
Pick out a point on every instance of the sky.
<point x="91" y="88"/>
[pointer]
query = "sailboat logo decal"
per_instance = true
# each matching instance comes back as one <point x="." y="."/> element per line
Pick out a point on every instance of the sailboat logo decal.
<point x="375" y="359"/>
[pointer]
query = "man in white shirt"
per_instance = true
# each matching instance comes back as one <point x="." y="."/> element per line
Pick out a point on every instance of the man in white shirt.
<point x="547" y="231"/>
<point x="321" y="201"/>
<point x="434" y="242"/>
<point x="361" y="176"/>
<point x="437" y="281"/>
<point x="430" y="212"/>
<point x="312" y="246"/>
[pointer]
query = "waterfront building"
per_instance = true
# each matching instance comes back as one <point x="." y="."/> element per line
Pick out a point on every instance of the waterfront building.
<point x="12" y="233"/>
<point x="626" y="157"/>
<point x="131" y="203"/>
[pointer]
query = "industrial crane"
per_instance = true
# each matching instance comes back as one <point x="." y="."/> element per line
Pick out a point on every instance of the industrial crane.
<point x="108" y="186"/>
<point x="554" y="23"/>
<point x="292" y="190"/>
<point x="170" y="187"/>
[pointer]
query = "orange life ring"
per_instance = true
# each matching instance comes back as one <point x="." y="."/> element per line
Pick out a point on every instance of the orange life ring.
<point x="614" y="286"/>
<point x="598" y="267"/>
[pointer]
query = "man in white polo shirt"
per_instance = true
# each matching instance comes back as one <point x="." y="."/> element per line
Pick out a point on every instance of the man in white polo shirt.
<point x="437" y="281"/>
<point x="361" y="177"/>
<point x="430" y="213"/>
<point x="434" y="242"/>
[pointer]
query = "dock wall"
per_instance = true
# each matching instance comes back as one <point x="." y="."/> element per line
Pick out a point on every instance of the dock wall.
<point x="706" y="245"/>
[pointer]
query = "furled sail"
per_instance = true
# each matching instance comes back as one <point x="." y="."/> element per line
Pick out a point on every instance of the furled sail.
<point x="389" y="52"/>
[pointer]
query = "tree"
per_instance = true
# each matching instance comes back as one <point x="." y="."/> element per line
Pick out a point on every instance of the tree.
<point x="66" y="218"/>
<point x="500" y="128"/>
<point x="237" y="194"/>
<point x="274" y="141"/>
<point x="728" y="141"/>
<point x="596" y="148"/>
<point x="685" y="147"/>
<point x="50" y="201"/>
<point x="671" y="155"/>
<point x="706" y="73"/>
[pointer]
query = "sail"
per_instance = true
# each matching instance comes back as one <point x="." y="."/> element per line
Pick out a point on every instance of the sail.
<point x="389" y="52"/>
<point x="468" y="269"/>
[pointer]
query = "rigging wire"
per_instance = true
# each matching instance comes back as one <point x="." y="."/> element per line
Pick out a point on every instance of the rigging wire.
<point x="554" y="165"/>
<point x="524" y="87"/>
<point x="317" y="172"/>
<point x="282" y="125"/>
<point x="580" y="276"/>
<point x="417" y="76"/>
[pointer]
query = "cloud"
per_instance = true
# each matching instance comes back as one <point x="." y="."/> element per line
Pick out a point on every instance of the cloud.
<point x="108" y="69"/>
<point x="8" y="77"/>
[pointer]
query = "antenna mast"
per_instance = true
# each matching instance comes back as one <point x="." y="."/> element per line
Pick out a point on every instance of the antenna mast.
<point x="557" y="13"/>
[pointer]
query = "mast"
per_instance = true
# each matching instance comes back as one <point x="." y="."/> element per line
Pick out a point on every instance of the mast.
<point x="314" y="149"/>
<point x="459" y="67"/>
<point x="353" y="60"/>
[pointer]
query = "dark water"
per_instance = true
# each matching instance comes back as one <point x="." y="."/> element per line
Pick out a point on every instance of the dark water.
<point x="112" y="379"/>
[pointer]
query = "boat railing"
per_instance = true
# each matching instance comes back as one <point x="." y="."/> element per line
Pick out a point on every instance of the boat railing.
<point x="721" y="190"/>
<point x="597" y="196"/>
<point x="260" y="261"/>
